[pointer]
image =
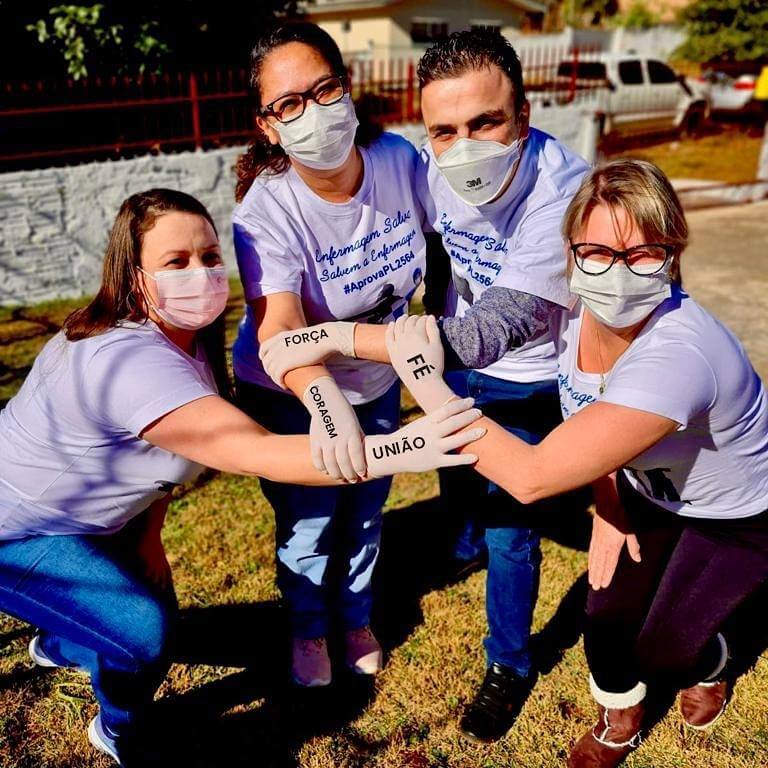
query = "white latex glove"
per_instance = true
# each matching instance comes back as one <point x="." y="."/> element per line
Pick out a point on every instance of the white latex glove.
<point x="416" y="353"/>
<point x="335" y="437"/>
<point x="424" y="444"/>
<point x="305" y="346"/>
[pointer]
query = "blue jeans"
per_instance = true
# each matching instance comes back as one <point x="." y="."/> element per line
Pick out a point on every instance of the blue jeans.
<point x="95" y="610"/>
<point x="490" y="517"/>
<point x="315" y="526"/>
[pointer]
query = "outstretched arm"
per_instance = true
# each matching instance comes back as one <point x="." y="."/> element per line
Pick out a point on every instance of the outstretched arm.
<point x="502" y="319"/>
<point x="213" y="432"/>
<point x="591" y="444"/>
<point x="335" y="434"/>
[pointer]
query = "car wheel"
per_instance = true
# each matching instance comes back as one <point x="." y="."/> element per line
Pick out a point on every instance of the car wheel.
<point x="693" y="122"/>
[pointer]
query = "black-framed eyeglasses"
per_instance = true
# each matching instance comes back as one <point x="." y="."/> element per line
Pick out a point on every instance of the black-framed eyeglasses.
<point x="645" y="259"/>
<point x="291" y="107"/>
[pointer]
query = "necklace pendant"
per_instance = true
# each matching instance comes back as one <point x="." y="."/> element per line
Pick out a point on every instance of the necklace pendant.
<point x="601" y="388"/>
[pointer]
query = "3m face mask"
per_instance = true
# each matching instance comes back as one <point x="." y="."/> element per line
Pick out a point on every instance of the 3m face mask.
<point x="190" y="298"/>
<point x="477" y="171"/>
<point x="620" y="298"/>
<point x="323" y="136"/>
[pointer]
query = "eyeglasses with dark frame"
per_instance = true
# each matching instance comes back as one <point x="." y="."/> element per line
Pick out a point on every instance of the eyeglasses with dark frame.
<point x="644" y="260"/>
<point x="291" y="107"/>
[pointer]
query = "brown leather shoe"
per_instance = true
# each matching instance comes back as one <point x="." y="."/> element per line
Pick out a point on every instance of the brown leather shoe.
<point x="615" y="735"/>
<point x="703" y="704"/>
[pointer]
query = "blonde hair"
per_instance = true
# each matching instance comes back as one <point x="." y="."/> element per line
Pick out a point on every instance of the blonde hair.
<point x="644" y="193"/>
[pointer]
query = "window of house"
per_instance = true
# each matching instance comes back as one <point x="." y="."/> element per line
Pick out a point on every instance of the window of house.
<point x="494" y="25"/>
<point x="428" y="30"/>
<point x="532" y="22"/>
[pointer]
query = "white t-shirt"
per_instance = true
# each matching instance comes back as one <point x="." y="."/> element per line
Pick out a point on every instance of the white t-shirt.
<point x="360" y="260"/>
<point x="513" y="242"/>
<point x="71" y="460"/>
<point x="687" y="366"/>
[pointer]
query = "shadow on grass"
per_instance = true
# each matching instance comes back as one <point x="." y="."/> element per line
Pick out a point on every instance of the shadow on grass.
<point x="254" y="716"/>
<point x="416" y="558"/>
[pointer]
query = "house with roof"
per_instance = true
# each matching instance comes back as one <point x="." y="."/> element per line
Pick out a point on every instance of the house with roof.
<point x="387" y="29"/>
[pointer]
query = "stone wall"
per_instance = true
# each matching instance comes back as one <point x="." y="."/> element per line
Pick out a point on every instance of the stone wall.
<point x="54" y="222"/>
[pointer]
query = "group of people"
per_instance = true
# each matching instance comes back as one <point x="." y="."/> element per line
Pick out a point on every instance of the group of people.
<point x="564" y="319"/>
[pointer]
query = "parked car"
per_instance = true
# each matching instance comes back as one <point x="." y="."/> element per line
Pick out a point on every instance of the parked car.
<point x="635" y="94"/>
<point x="727" y="93"/>
<point x="761" y="86"/>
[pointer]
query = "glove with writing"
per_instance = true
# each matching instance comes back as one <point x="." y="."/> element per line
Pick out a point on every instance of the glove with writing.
<point x="416" y="353"/>
<point x="426" y="443"/>
<point x="335" y="437"/>
<point x="305" y="346"/>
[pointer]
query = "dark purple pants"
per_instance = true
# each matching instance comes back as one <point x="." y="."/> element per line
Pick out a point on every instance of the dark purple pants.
<point x="658" y="619"/>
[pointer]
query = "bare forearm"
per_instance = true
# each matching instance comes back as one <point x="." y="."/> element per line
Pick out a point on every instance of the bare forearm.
<point x="507" y="461"/>
<point x="214" y="433"/>
<point x="299" y="379"/>
<point x="285" y="459"/>
<point x="585" y="448"/>
<point x="369" y="342"/>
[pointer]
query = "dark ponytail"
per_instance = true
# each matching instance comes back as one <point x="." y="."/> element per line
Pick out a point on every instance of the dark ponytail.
<point x="261" y="156"/>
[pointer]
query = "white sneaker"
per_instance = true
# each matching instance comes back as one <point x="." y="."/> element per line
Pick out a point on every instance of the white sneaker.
<point x="311" y="665"/>
<point x="364" y="653"/>
<point x="101" y="739"/>
<point x="37" y="654"/>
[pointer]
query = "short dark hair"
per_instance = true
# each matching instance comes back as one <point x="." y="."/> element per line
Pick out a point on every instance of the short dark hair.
<point x="471" y="49"/>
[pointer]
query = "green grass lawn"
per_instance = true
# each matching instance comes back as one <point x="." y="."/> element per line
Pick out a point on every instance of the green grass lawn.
<point x="724" y="152"/>
<point x="227" y="698"/>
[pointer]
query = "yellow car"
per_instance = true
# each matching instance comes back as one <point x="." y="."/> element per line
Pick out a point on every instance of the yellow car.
<point x="761" y="86"/>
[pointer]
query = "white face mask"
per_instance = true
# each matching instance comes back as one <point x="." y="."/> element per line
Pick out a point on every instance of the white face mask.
<point x="190" y="298"/>
<point x="478" y="170"/>
<point x="620" y="298"/>
<point x="323" y="136"/>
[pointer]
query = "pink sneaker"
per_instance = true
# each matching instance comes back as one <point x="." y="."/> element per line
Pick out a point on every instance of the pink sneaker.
<point x="311" y="665"/>
<point x="364" y="654"/>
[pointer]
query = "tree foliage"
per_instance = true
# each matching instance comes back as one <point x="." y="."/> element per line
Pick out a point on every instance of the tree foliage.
<point x="590" y="13"/>
<point x="85" y="32"/>
<point x="39" y="38"/>
<point x="725" y="30"/>
<point x="637" y="16"/>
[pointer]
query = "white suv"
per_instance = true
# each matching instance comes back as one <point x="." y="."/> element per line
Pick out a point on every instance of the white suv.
<point x="633" y="94"/>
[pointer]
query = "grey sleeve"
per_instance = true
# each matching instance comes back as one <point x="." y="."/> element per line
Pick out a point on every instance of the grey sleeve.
<point x="500" y="320"/>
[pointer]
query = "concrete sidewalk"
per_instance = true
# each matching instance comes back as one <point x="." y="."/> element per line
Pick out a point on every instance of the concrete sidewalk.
<point x="726" y="269"/>
<point x="703" y="193"/>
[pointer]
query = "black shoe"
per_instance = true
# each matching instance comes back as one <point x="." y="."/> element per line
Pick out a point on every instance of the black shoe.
<point x="496" y="705"/>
